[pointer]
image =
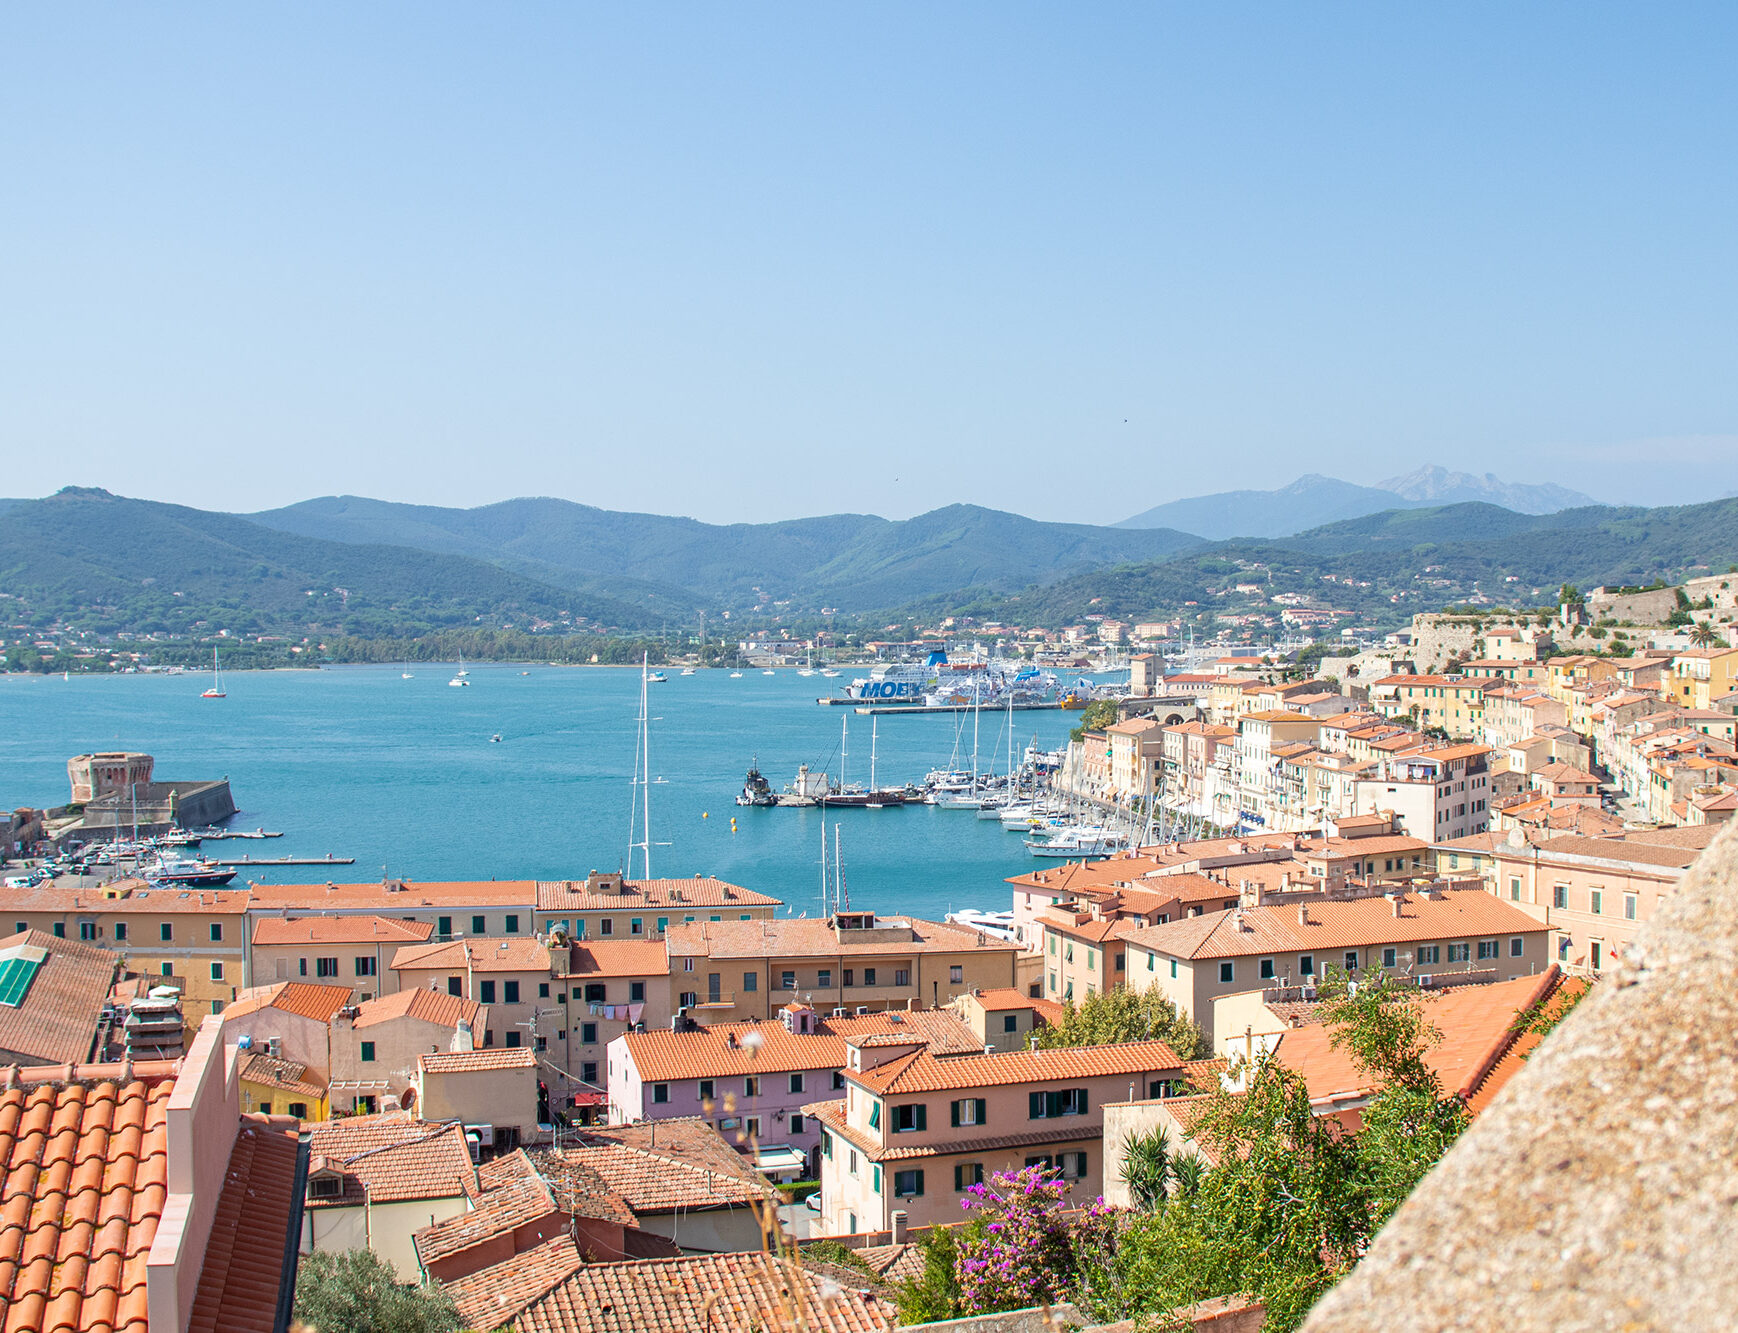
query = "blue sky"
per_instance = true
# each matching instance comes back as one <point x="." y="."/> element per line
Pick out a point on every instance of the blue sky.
<point x="753" y="261"/>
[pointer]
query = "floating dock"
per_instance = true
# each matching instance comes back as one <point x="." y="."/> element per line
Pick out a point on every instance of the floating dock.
<point x="327" y="860"/>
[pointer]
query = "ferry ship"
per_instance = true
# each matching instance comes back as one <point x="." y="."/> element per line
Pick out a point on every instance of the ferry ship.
<point x="940" y="683"/>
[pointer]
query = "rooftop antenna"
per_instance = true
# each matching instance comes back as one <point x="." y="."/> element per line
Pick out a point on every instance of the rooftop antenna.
<point x="640" y="808"/>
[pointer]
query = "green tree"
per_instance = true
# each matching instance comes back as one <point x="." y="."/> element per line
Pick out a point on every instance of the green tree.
<point x="1703" y="635"/>
<point x="1096" y="716"/>
<point x="356" y="1291"/>
<point x="1122" y="1015"/>
<point x="935" y="1293"/>
<point x="1146" y="1168"/>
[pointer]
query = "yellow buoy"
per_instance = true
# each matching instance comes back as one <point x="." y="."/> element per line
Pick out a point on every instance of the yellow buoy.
<point x="705" y="815"/>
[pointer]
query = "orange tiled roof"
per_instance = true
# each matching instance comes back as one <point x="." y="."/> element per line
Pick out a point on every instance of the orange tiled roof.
<point x="499" y="1210"/>
<point x="720" y="1293"/>
<point x="244" y="1257"/>
<point x="797" y="938"/>
<point x="479" y="955"/>
<point x="394" y="1155"/>
<point x="494" y="1297"/>
<point x="725" y="1050"/>
<point x="663" y="1165"/>
<point x="1484" y="1090"/>
<point x="86" y="1176"/>
<point x="477" y="1061"/>
<point x="1338" y="924"/>
<point x="430" y="1006"/>
<point x="923" y="1072"/>
<point x="572" y="895"/>
<point x="340" y="930"/>
<point x="291" y="997"/>
<point x="1006" y="997"/>
<point x="129" y="897"/>
<point x="285" y="1075"/>
<point x="387" y="900"/>
<point x="55" y="1020"/>
<point x="619" y="958"/>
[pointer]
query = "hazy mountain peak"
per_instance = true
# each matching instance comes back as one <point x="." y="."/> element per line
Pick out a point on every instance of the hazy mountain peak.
<point x="1436" y="485"/>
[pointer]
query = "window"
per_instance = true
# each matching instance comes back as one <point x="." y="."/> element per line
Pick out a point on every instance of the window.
<point x="455" y="985"/>
<point x="513" y="1037"/>
<point x="299" y="1110"/>
<point x="663" y="924"/>
<point x="543" y="990"/>
<point x="479" y="925"/>
<point x="595" y="993"/>
<point x="1489" y="949"/>
<point x="217" y="971"/>
<point x="1517" y="947"/>
<point x="444" y="925"/>
<point x="901" y="976"/>
<point x="325" y="967"/>
<point x="745" y="917"/>
<point x="588" y="1034"/>
<point x="1010" y="1023"/>
<point x="660" y="1094"/>
<point x="166" y="931"/>
<point x="868" y="976"/>
<point x="875" y="1179"/>
<point x="1351" y="960"/>
<point x="706" y="1086"/>
<point x="1265" y="970"/>
<point x="1049" y="1105"/>
<point x="87" y="930"/>
<point x="1560" y="895"/>
<point x="1388" y="957"/>
<point x="1429" y="954"/>
<point x="796" y="1123"/>
<point x="1053" y="944"/>
<point x="1459" y="953"/>
<point x="486" y="992"/>
<point x="1150" y="961"/>
<point x="120" y="930"/>
<point x="852" y="1167"/>
<point x="510" y="992"/>
<point x="956" y="974"/>
<point x="1121" y="962"/>
<point x="751" y="1086"/>
<point x="1227" y="972"/>
<point x="167" y="970"/>
<point x="588" y="1072"/>
<point x="1306" y="965"/>
<point x="1629" y="906"/>
<point x="636" y="925"/>
<point x="838" y="1079"/>
<point x="1515" y="889"/>
<point x="1173" y="967"/>
<point x="637" y="992"/>
<point x="907" y="1184"/>
<point x="687" y="964"/>
<point x="824" y="978"/>
<point x="217" y="932"/>
<point x="787" y="980"/>
<point x="796" y="1084"/>
<point x="1595" y="953"/>
<point x="751" y="1127"/>
<point x="1596" y="901"/>
<point x="1092" y="958"/>
<point x="1068" y="953"/>
<point x="688" y="999"/>
<point x="606" y="926"/>
<point x="910" y="1118"/>
<point x="848" y="977"/>
<point x="325" y="1187"/>
<point x="367" y="1052"/>
<point x="970" y="1111"/>
<point x="874" y="1115"/>
<point x="967" y="1174"/>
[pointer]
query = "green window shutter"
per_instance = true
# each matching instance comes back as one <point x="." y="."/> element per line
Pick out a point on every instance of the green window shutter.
<point x="1035" y="1106"/>
<point x="1080" y="1097"/>
<point x="919" y="1189"/>
<point x="877" y="1181"/>
<point x="922" y="1117"/>
<point x="983" y="1106"/>
<point x="954" y="1112"/>
<point x="874" y="1115"/>
<point x="959" y="1177"/>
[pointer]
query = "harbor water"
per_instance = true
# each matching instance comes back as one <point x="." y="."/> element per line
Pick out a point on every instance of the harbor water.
<point x="403" y="774"/>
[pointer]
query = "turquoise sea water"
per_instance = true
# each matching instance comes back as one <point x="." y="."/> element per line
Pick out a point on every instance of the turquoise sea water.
<point x="401" y="774"/>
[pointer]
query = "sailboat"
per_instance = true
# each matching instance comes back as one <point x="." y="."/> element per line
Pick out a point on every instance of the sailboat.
<point x="458" y="679"/>
<point x="216" y="691"/>
<point x="406" y="674"/>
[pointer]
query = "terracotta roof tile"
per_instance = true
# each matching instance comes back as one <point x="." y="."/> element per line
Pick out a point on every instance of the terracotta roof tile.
<point x="720" y="1293"/>
<point x="84" y="1169"/>
<point x="471" y="1062"/>
<point x="285" y="1075"/>
<point x="572" y="895"/>
<point x="291" y="997"/>
<point x="798" y="938"/>
<point x="728" y="1049"/>
<point x="419" y="1003"/>
<point x="394" y="1155"/>
<point x="493" y="1297"/>
<point x="923" y="1072"/>
<point x="479" y="955"/>
<point x="663" y="1165"/>
<point x="580" y="1190"/>
<point x="504" y="1209"/>
<point x="55" y="1018"/>
<point x="257" y="1212"/>
<point x="832" y="1114"/>
<point x="340" y="930"/>
<point x="385" y="901"/>
<point x="619" y="958"/>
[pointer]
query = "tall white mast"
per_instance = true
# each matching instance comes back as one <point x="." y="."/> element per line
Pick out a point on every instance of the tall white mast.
<point x="823" y="864"/>
<point x="977" y="705"/>
<point x="839" y="900"/>
<point x="874" y="734"/>
<point x="844" y="748"/>
<point x="642" y="806"/>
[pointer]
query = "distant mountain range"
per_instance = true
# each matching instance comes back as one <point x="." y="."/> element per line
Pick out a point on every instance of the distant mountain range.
<point x="1313" y="500"/>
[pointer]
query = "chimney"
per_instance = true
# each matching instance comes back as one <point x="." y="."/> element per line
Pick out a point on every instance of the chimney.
<point x="1303" y="914"/>
<point x="899" y="1224"/>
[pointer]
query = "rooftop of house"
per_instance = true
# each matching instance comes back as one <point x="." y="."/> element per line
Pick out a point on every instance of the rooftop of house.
<point x="475" y="955"/>
<point x="484" y="1060"/>
<point x="506" y="1207"/>
<point x="257" y="1212"/>
<point x="284" y="1075"/>
<point x="619" y="958"/>
<point x="494" y="1297"/>
<point x="661" y="1166"/>
<point x="391" y="1157"/>
<point x="604" y="893"/>
<point x="1004" y="999"/>
<point x="129" y="896"/>
<point x="921" y="1071"/>
<point x="394" y="896"/>
<point x="428" y="1006"/>
<point x="52" y="993"/>
<point x="799" y="938"/>
<point x="306" y="999"/>
<point x="1558" y="771"/>
<point x="339" y="930"/>
<point x="739" y="1292"/>
<point x="1343" y="923"/>
<point x="727" y="1050"/>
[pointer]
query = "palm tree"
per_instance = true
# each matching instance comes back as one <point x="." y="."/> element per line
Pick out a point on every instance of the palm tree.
<point x="1187" y="1172"/>
<point x="1703" y="635"/>
<point x="1146" y="1168"/>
